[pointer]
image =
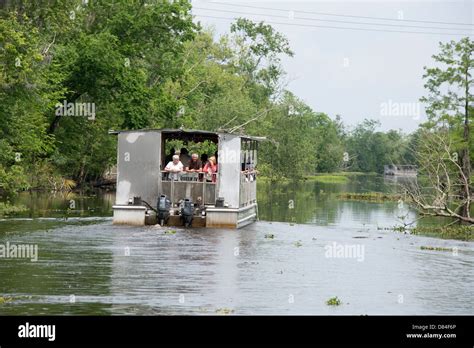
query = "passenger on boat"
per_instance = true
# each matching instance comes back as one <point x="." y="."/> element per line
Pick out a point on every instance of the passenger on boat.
<point x="169" y="157"/>
<point x="211" y="169"/>
<point x="250" y="173"/>
<point x="195" y="165"/>
<point x="174" y="168"/>
<point x="204" y="159"/>
<point x="184" y="157"/>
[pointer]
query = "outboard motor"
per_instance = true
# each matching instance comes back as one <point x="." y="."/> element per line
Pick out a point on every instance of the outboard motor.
<point x="163" y="211"/>
<point x="187" y="212"/>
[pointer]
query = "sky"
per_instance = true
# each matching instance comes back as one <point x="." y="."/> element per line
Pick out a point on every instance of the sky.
<point x="356" y="74"/>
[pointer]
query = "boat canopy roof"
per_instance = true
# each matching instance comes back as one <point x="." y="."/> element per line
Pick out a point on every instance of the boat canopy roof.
<point x="189" y="134"/>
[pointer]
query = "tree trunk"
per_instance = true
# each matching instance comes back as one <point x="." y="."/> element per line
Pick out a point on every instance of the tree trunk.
<point x="54" y="124"/>
<point x="465" y="155"/>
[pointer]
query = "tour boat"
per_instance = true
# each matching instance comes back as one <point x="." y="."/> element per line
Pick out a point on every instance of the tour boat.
<point x="146" y="194"/>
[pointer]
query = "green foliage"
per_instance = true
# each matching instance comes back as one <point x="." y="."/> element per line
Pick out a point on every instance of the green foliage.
<point x="206" y="147"/>
<point x="224" y="311"/>
<point x="460" y="232"/>
<point x="260" y="46"/>
<point x="447" y="107"/>
<point x="450" y="108"/>
<point x="334" y="301"/>
<point x="450" y="96"/>
<point x="301" y="141"/>
<point x="5" y="299"/>
<point x="436" y="248"/>
<point x="329" y="149"/>
<point x="328" y="179"/>
<point x="146" y="64"/>
<point x="116" y="55"/>
<point x="376" y="197"/>
<point x="371" y="149"/>
<point x="24" y="94"/>
<point x="8" y="209"/>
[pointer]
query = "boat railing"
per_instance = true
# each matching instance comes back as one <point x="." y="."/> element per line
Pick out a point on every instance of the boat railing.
<point x="180" y="176"/>
<point x="248" y="187"/>
<point x="193" y="185"/>
<point x="188" y="176"/>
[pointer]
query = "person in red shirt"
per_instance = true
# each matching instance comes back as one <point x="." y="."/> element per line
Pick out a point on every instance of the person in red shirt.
<point x="211" y="168"/>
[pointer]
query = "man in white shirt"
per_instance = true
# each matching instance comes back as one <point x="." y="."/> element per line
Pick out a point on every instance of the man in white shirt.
<point x="174" y="167"/>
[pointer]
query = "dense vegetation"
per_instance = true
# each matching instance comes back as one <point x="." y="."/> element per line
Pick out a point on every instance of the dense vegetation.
<point x="148" y="64"/>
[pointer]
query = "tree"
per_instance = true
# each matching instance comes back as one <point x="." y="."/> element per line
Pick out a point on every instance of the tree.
<point x="146" y="64"/>
<point x="444" y="188"/>
<point x="208" y="95"/>
<point x="115" y="55"/>
<point x="24" y="93"/>
<point x="301" y="140"/>
<point x="372" y="149"/>
<point x="329" y="147"/>
<point x="259" y="47"/>
<point x="288" y="152"/>
<point x="449" y="102"/>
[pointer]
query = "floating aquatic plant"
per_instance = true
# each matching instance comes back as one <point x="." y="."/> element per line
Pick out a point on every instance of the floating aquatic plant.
<point x="435" y="248"/>
<point x="224" y="311"/>
<point x="375" y="197"/>
<point x="334" y="301"/>
<point x="5" y="299"/>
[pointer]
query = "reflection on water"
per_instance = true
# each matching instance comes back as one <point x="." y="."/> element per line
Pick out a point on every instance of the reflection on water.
<point x="66" y="205"/>
<point x="128" y="270"/>
<point x="311" y="202"/>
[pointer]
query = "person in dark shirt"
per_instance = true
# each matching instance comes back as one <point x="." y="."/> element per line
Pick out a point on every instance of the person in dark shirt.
<point x="184" y="157"/>
<point x="194" y="165"/>
<point x="204" y="158"/>
<point x="169" y="157"/>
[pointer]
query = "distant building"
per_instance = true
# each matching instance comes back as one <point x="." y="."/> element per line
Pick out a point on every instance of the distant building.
<point x="400" y="170"/>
